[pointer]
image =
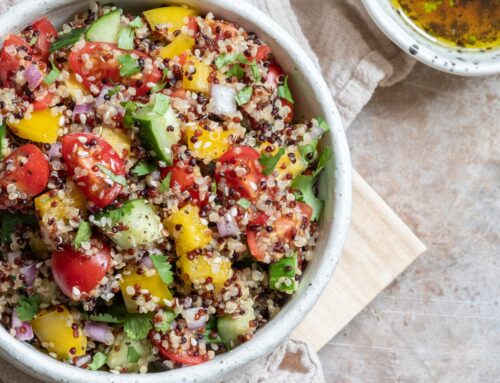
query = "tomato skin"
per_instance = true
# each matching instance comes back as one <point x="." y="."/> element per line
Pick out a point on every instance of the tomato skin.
<point x="72" y="268"/>
<point x="46" y="33"/>
<point x="106" y="68"/>
<point x="43" y="99"/>
<point x="175" y="357"/>
<point x="96" y="151"/>
<point x="186" y="181"/>
<point x="10" y="64"/>
<point x="262" y="53"/>
<point x="193" y="24"/>
<point x="272" y="79"/>
<point x="248" y="186"/>
<point x="30" y="176"/>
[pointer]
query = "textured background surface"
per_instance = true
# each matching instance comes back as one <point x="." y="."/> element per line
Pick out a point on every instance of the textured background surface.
<point x="431" y="147"/>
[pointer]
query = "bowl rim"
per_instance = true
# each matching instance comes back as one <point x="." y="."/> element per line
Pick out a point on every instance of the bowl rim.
<point x="44" y="367"/>
<point x="433" y="53"/>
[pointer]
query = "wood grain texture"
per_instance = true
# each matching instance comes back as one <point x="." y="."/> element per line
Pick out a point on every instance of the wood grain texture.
<point x="378" y="248"/>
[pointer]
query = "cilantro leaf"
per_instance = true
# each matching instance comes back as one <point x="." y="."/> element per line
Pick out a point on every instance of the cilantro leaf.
<point x="126" y="38"/>
<point x="308" y="152"/>
<point x="244" y="95"/>
<point x="132" y="355"/>
<point x="106" y="318"/>
<point x="143" y="167"/>
<point x="28" y="307"/>
<point x="67" y="39"/>
<point x="167" y="319"/>
<point x="158" y="87"/>
<point x="112" y="176"/>
<point x="130" y="108"/>
<point x="165" y="184"/>
<point x="256" y="72"/>
<point x="136" y="23"/>
<point x="305" y="187"/>
<point x="269" y="162"/>
<point x="10" y="221"/>
<point x="83" y="234"/>
<point x="137" y="326"/>
<point x="225" y="59"/>
<point x="325" y="156"/>
<point x="322" y="123"/>
<point x="52" y="76"/>
<point x="113" y="91"/>
<point x="285" y="92"/>
<point x="236" y="71"/>
<point x="163" y="267"/>
<point x="129" y="65"/>
<point x="207" y="334"/>
<point x="98" y="361"/>
<point x="244" y="203"/>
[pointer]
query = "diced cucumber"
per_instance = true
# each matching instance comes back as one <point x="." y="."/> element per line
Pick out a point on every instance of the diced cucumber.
<point x="282" y="274"/>
<point x="142" y="224"/>
<point x="126" y="38"/>
<point x="159" y="131"/>
<point x="3" y="131"/>
<point x="230" y="329"/>
<point x="119" y="357"/>
<point x="105" y="29"/>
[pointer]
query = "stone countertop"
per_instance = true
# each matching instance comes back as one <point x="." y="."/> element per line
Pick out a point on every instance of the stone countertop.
<point x="430" y="146"/>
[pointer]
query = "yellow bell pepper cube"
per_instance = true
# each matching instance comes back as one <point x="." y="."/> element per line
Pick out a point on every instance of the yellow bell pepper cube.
<point x="41" y="127"/>
<point x="198" y="81"/>
<point x="179" y="45"/>
<point x="150" y="281"/>
<point x="188" y="230"/>
<point x="201" y="267"/>
<point x="175" y="16"/>
<point x="54" y="329"/>
<point x="73" y="86"/>
<point x="210" y="145"/>
<point x="119" y="140"/>
<point x="285" y="165"/>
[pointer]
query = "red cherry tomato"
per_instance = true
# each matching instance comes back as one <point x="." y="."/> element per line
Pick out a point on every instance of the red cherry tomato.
<point x="10" y="59"/>
<point x="272" y="79"/>
<point x="193" y="24"/>
<point x="42" y="98"/>
<point x="46" y="34"/>
<point x="106" y="68"/>
<point x="85" y="155"/>
<point x="262" y="53"/>
<point x="72" y="268"/>
<point x="184" y="358"/>
<point x="28" y="169"/>
<point x="248" y="185"/>
<point x="186" y="180"/>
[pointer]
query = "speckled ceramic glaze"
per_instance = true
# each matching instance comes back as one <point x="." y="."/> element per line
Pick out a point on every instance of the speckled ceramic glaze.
<point x="314" y="99"/>
<point x="455" y="60"/>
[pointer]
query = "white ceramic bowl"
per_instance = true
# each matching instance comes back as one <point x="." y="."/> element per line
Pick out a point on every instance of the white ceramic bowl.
<point x="313" y="99"/>
<point x="455" y="60"/>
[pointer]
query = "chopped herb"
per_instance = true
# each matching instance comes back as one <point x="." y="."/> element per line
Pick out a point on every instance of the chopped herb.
<point x="244" y="95"/>
<point x="323" y="124"/>
<point x="227" y="59"/>
<point x="308" y="152"/>
<point x="3" y="132"/>
<point x="112" y="176"/>
<point x="214" y="186"/>
<point x="137" y="326"/>
<point x="165" y="73"/>
<point x="28" y="307"/>
<point x="67" y="39"/>
<point x="167" y="319"/>
<point x="136" y="23"/>
<point x="163" y="267"/>
<point x="158" y="87"/>
<point x="165" y="184"/>
<point x="82" y="235"/>
<point x="430" y="6"/>
<point x="129" y="65"/>
<point x="207" y="334"/>
<point x="269" y="162"/>
<point x="130" y="108"/>
<point x="126" y="38"/>
<point x="132" y="355"/>
<point x="106" y="318"/>
<point x="98" y="361"/>
<point x="255" y="72"/>
<point x="325" y="156"/>
<point x="236" y="71"/>
<point x="161" y="104"/>
<point x="305" y="188"/>
<point x="33" y="40"/>
<point x="143" y="167"/>
<point x="111" y="92"/>
<point x="244" y="203"/>
<point x="52" y="76"/>
<point x="10" y="221"/>
<point x="284" y="91"/>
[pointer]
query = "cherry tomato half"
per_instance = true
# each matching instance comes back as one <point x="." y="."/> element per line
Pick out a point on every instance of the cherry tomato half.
<point x="90" y="154"/>
<point x="10" y="59"/>
<point x="45" y="33"/>
<point x="185" y="178"/>
<point x="273" y="78"/>
<point x="72" y="268"/>
<point x="184" y="358"/>
<point x="42" y="98"/>
<point x="248" y="185"/>
<point x="106" y="67"/>
<point x="27" y="169"/>
<point x="262" y="53"/>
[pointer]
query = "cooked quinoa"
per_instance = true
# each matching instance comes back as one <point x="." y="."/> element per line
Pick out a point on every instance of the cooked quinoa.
<point x="158" y="200"/>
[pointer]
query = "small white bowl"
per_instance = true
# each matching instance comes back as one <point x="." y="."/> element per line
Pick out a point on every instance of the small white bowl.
<point x="430" y="51"/>
<point x="313" y="99"/>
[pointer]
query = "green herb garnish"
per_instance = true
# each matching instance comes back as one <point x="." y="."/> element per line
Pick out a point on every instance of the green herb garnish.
<point x="52" y="76"/>
<point x="67" y="39"/>
<point x="132" y="355"/>
<point x="129" y="65"/>
<point x="143" y="167"/>
<point x="137" y="326"/>
<point x="126" y="38"/>
<point x="28" y="307"/>
<point x="244" y="95"/>
<point x="163" y="267"/>
<point x="112" y="176"/>
<point x="83" y="234"/>
<point x="285" y="92"/>
<point x="165" y="184"/>
<point x="269" y="162"/>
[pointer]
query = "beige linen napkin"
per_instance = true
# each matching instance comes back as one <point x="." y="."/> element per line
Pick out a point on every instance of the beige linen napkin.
<point x="355" y="58"/>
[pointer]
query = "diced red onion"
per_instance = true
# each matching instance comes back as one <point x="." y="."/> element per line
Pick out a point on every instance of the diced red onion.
<point x="55" y="150"/>
<point x="147" y="263"/>
<point x="24" y="331"/>
<point x="33" y="76"/>
<point x="227" y="226"/>
<point x="82" y="108"/>
<point x="100" y="332"/>
<point x="83" y="360"/>
<point x="29" y="272"/>
<point x="224" y="99"/>
<point x="192" y="322"/>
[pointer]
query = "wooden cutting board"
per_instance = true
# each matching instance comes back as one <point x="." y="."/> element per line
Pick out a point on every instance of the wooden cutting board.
<point x="378" y="248"/>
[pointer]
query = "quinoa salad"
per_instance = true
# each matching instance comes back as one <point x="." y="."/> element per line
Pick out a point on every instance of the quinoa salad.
<point x="158" y="200"/>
